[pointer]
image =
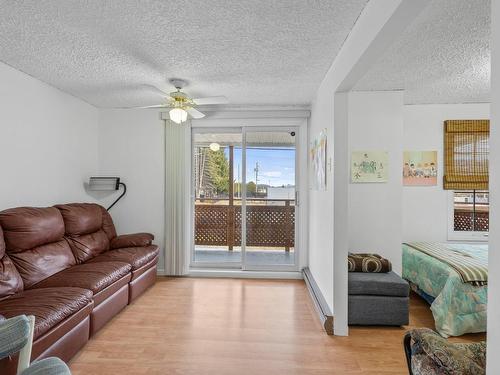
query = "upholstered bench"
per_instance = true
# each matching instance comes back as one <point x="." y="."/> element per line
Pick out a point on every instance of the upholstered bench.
<point x="378" y="299"/>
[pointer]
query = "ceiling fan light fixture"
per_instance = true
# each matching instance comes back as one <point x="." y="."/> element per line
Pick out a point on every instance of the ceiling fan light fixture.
<point x="214" y="147"/>
<point x="178" y="115"/>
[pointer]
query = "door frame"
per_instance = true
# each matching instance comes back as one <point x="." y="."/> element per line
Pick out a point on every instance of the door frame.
<point x="223" y="123"/>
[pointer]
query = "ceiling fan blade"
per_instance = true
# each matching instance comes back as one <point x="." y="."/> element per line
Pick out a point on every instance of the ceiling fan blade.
<point x="155" y="89"/>
<point x="211" y="100"/>
<point x="194" y="113"/>
<point x="148" y="106"/>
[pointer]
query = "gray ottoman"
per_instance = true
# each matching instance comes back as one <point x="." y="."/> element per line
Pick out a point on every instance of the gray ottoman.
<point x="378" y="299"/>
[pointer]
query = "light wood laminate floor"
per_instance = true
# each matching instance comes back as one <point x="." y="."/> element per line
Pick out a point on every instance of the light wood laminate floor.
<point x="238" y="327"/>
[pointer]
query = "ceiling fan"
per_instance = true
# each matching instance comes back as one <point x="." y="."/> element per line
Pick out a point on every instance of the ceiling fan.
<point x="181" y="104"/>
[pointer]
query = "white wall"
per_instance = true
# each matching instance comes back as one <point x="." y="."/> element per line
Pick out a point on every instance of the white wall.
<point x="48" y="143"/>
<point x="492" y="358"/>
<point x="425" y="208"/>
<point x="377" y="27"/>
<point x="376" y="124"/>
<point x="321" y="204"/>
<point x="131" y="146"/>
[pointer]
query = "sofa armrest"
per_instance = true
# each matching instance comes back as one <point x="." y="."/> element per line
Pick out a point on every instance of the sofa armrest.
<point x="132" y="240"/>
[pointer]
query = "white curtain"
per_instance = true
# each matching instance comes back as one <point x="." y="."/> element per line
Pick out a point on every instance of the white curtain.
<point x="177" y="187"/>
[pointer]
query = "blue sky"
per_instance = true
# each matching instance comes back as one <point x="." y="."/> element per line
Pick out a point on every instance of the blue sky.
<point x="276" y="166"/>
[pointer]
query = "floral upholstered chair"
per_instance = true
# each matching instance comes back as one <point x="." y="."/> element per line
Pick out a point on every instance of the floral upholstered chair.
<point x="16" y="336"/>
<point x="427" y="353"/>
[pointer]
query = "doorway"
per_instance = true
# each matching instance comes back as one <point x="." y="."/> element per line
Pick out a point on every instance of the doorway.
<point x="244" y="198"/>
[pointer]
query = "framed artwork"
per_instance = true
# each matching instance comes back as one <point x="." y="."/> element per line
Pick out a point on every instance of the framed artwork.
<point x="318" y="161"/>
<point x="369" y="166"/>
<point x="420" y="168"/>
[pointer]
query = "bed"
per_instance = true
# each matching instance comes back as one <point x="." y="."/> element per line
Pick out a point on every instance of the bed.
<point x="458" y="307"/>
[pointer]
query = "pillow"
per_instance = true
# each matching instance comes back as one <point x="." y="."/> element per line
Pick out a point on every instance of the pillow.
<point x="363" y="262"/>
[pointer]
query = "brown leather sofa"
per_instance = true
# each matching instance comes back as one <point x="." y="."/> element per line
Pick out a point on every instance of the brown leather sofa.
<point x="66" y="266"/>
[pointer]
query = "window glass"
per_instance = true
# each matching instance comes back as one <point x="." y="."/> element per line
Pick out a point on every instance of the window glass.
<point x="471" y="211"/>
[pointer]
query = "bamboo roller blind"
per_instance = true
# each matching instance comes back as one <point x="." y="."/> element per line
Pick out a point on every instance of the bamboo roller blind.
<point x="466" y="150"/>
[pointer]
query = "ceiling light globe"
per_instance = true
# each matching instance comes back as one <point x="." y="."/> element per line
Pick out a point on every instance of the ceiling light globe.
<point x="214" y="147"/>
<point x="178" y="115"/>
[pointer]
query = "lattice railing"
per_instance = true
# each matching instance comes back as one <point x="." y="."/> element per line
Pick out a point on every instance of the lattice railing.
<point x="467" y="221"/>
<point x="267" y="225"/>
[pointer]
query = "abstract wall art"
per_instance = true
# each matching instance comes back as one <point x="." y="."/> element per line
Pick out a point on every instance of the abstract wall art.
<point x="318" y="161"/>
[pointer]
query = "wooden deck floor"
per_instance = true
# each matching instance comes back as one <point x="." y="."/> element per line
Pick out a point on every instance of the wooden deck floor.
<point x="239" y="326"/>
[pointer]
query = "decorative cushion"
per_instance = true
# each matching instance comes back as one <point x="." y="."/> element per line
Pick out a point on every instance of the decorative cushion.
<point x="368" y="263"/>
<point x="379" y="284"/>
<point x="50" y="306"/>
<point x="92" y="276"/>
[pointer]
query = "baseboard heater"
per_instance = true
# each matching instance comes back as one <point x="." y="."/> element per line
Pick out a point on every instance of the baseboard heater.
<point x="325" y="315"/>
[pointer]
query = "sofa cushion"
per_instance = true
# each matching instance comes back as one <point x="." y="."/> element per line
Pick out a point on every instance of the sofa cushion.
<point x="107" y="224"/>
<point x="132" y="240"/>
<point x="89" y="229"/>
<point x="34" y="241"/>
<point x="28" y="227"/>
<point x="88" y="246"/>
<point x="50" y="306"/>
<point x="81" y="218"/>
<point x="135" y="256"/>
<point x="92" y="276"/>
<point x="380" y="284"/>
<point x="41" y="262"/>
<point x="2" y="244"/>
<point x="10" y="279"/>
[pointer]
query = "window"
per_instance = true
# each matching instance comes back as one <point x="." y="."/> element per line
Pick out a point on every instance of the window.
<point x="466" y="153"/>
<point x="469" y="215"/>
<point x="466" y="174"/>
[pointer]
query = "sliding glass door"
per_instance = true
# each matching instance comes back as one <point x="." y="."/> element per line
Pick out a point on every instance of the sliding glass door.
<point x="217" y="163"/>
<point x="244" y="198"/>
<point x="269" y="202"/>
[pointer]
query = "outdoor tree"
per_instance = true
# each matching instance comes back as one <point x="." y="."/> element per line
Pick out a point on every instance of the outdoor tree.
<point x="218" y="171"/>
<point x="251" y="187"/>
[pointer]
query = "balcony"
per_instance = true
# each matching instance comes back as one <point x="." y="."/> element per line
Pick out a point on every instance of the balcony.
<point x="466" y="220"/>
<point x="270" y="230"/>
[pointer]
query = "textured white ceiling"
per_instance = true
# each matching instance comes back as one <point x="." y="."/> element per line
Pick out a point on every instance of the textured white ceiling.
<point x="254" y="52"/>
<point x="443" y="56"/>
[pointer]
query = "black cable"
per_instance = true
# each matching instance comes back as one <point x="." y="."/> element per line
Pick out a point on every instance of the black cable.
<point x="120" y="197"/>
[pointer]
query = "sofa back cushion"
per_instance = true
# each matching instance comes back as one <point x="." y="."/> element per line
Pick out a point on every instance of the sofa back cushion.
<point x="2" y="244"/>
<point x="10" y="280"/>
<point x="34" y="242"/>
<point x="88" y="229"/>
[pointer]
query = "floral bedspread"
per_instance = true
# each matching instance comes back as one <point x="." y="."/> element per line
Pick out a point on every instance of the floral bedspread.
<point x="458" y="307"/>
